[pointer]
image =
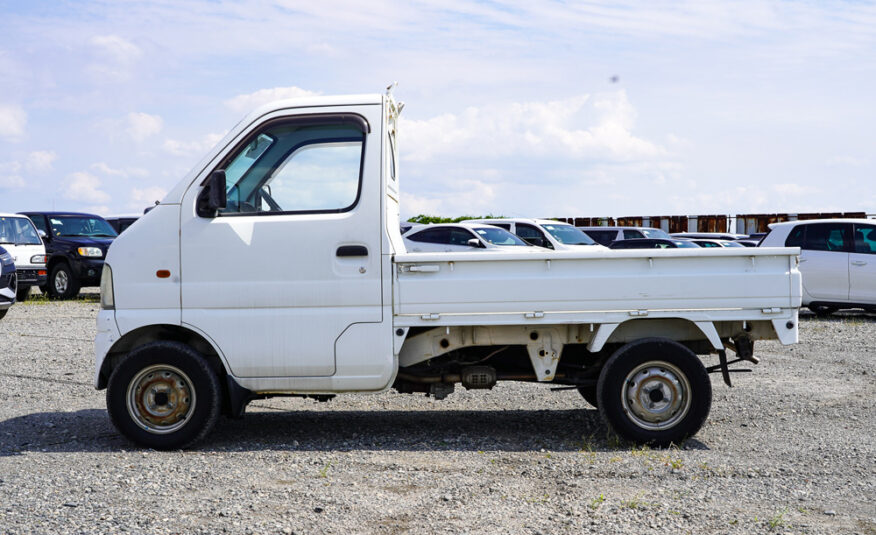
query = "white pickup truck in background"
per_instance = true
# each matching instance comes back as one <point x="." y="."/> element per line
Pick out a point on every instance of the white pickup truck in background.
<point x="276" y="267"/>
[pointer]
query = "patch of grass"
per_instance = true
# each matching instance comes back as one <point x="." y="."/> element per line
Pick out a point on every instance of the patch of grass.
<point x="778" y="520"/>
<point x="597" y="501"/>
<point x="635" y="502"/>
<point x="323" y="473"/>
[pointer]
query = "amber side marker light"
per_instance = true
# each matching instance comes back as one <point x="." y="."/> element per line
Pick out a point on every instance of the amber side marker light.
<point x="162" y="273"/>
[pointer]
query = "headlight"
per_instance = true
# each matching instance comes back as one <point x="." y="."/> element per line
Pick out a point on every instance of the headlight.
<point x="107" y="299"/>
<point x="38" y="259"/>
<point x="6" y="259"/>
<point x="94" y="252"/>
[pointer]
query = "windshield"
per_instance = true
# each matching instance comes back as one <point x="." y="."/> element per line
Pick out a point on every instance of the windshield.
<point x="499" y="236"/>
<point x="92" y="227"/>
<point x="655" y="233"/>
<point x="569" y="235"/>
<point x="18" y="231"/>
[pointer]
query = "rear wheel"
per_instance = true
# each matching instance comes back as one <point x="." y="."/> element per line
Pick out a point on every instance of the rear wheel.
<point x="22" y="294"/>
<point x="589" y="394"/>
<point x="62" y="284"/>
<point x="822" y="311"/>
<point x="164" y="395"/>
<point x="654" y="391"/>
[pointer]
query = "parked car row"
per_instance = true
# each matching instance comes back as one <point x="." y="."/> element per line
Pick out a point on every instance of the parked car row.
<point x="838" y="256"/>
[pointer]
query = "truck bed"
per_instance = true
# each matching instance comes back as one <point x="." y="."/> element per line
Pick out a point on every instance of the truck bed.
<point x="579" y="287"/>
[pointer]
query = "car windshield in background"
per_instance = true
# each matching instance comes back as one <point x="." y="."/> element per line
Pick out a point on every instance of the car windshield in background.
<point x="91" y="227"/>
<point x="685" y="244"/>
<point x="655" y="233"/>
<point x="498" y="236"/>
<point x="569" y="235"/>
<point x="18" y="231"/>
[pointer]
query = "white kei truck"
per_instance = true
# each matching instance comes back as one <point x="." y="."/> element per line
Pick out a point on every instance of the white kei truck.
<point x="276" y="268"/>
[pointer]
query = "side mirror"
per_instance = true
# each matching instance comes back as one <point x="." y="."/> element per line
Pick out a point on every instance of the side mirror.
<point x="42" y="233"/>
<point x="474" y="242"/>
<point x="213" y="196"/>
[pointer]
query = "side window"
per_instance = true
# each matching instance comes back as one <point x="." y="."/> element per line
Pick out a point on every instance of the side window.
<point x="797" y="237"/>
<point x="506" y="226"/>
<point x="40" y="223"/>
<point x="436" y="235"/>
<point x="865" y="239"/>
<point x="828" y="237"/>
<point x="528" y="231"/>
<point x="632" y="234"/>
<point x="290" y="167"/>
<point x="460" y="237"/>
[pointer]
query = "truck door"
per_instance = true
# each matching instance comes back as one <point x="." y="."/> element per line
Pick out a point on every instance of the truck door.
<point x="294" y="259"/>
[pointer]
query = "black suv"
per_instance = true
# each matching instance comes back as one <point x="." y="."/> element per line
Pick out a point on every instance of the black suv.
<point x="76" y="246"/>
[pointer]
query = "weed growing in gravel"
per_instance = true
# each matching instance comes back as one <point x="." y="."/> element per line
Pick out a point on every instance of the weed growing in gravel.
<point x="597" y="501"/>
<point x="778" y="520"/>
<point x="325" y="469"/>
<point x="635" y="502"/>
<point x="586" y="447"/>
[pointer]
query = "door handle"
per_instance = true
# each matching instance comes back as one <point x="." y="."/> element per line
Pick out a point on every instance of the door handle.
<point x="425" y="268"/>
<point x="352" y="250"/>
<point x="859" y="263"/>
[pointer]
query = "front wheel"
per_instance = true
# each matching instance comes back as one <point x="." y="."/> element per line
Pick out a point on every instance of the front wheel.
<point x="3" y="313"/>
<point x="163" y="395"/>
<point x="62" y="283"/>
<point x="654" y="391"/>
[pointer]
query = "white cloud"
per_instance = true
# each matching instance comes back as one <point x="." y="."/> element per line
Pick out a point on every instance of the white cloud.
<point x="85" y="187"/>
<point x="12" y="122"/>
<point x="116" y="57"/>
<point x="142" y="125"/>
<point x="598" y="128"/>
<point x="794" y="189"/>
<point x="142" y="198"/>
<point x="10" y="177"/>
<point x="116" y="48"/>
<point x="247" y="103"/>
<point x="192" y="148"/>
<point x="105" y="169"/>
<point x="40" y="161"/>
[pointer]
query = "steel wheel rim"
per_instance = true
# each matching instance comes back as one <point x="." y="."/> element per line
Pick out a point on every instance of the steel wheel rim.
<point x="61" y="281"/>
<point x="161" y="399"/>
<point x="656" y="395"/>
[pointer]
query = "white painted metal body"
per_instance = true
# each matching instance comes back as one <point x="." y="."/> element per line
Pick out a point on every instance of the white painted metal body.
<point x="272" y="298"/>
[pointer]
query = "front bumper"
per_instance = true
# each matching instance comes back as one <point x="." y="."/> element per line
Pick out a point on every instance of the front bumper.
<point x="107" y="335"/>
<point x="31" y="276"/>
<point x="87" y="271"/>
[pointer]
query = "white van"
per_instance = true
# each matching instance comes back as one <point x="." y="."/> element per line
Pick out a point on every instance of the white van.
<point x="20" y="238"/>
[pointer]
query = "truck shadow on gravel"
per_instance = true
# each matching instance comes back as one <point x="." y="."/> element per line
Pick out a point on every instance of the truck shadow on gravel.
<point x="341" y="430"/>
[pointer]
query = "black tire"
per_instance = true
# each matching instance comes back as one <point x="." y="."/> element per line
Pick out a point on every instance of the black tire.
<point x="589" y="395"/>
<point x="62" y="284"/>
<point x="23" y="293"/>
<point x="3" y="313"/>
<point x="822" y="311"/>
<point x="669" y="378"/>
<point x="164" y="395"/>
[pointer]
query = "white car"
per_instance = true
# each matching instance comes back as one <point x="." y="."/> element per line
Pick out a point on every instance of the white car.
<point x="20" y="238"/>
<point x="455" y="237"/>
<point x="837" y="261"/>
<point x="548" y="233"/>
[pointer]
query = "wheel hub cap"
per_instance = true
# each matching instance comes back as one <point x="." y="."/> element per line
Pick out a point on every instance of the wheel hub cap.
<point x="656" y="395"/>
<point x="160" y="399"/>
<point x="61" y="282"/>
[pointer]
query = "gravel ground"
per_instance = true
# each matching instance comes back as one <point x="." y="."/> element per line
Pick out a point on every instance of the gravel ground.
<point x="789" y="449"/>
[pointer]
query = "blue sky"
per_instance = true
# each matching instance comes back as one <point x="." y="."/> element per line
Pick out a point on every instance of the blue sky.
<point x="543" y="109"/>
